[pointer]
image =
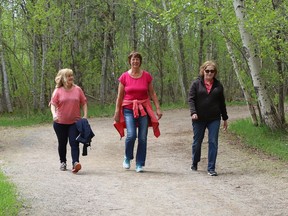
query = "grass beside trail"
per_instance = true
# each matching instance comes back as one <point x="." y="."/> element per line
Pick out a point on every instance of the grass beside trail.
<point x="30" y="118"/>
<point x="262" y="138"/>
<point x="9" y="204"/>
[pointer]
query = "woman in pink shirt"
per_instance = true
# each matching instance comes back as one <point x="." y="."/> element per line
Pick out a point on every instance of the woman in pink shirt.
<point x="133" y="102"/>
<point x="66" y="103"/>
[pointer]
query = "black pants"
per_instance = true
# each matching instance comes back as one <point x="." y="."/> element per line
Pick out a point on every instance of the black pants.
<point x="65" y="132"/>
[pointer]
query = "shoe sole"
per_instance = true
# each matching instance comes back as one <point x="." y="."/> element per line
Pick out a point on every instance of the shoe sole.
<point x="139" y="170"/>
<point x="77" y="167"/>
<point x="213" y="174"/>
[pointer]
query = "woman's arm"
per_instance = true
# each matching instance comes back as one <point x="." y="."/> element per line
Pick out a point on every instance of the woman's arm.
<point x="155" y="100"/>
<point x="53" y="111"/>
<point x="119" y="101"/>
<point x="85" y="110"/>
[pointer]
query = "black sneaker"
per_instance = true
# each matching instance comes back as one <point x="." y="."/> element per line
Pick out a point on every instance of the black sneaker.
<point x="212" y="173"/>
<point x="194" y="167"/>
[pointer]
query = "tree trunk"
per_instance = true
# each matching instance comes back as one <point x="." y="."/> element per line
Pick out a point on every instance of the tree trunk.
<point x="201" y="45"/>
<point x="267" y="108"/>
<point x="279" y="63"/>
<point x="104" y="68"/>
<point x="5" y="80"/>
<point x="175" y="53"/>
<point x="182" y="54"/>
<point x="34" y="79"/>
<point x="6" y="91"/>
<point x="42" y="80"/>
<point x="134" y="26"/>
<point x="247" y="96"/>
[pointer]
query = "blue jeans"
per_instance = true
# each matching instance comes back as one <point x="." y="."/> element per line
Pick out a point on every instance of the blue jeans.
<point x="199" y="128"/>
<point x="63" y="133"/>
<point x="131" y="125"/>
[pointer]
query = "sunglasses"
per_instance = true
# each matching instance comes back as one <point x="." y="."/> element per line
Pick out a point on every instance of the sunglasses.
<point x="209" y="71"/>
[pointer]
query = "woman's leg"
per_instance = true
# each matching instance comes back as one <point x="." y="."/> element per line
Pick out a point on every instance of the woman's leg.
<point x="199" y="131"/>
<point x="61" y="131"/>
<point x="131" y="133"/>
<point x="142" y="140"/>
<point x="75" y="152"/>
<point x="213" y="133"/>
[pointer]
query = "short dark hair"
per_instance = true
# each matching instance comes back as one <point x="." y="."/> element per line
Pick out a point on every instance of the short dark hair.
<point x="134" y="54"/>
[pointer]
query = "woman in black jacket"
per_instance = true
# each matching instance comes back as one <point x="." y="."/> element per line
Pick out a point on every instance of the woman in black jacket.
<point x="207" y="106"/>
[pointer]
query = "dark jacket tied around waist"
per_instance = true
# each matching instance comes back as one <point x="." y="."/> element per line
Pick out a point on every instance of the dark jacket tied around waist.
<point x="85" y="134"/>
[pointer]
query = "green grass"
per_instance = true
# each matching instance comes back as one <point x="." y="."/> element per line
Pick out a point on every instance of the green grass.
<point x="262" y="138"/>
<point x="18" y="118"/>
<point x="9" y="205"/>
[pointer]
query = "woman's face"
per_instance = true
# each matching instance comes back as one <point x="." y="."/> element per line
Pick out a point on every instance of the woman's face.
<point x="135" y="62"/>
<point x="209" y="73"/>
<point x="69" y="79"/>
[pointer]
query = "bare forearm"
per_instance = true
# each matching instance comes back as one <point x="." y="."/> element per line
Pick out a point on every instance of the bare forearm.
<point x="85" y="110"/>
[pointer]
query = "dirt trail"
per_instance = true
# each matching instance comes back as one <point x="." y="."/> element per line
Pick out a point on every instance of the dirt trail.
<point x="248" y="183"/>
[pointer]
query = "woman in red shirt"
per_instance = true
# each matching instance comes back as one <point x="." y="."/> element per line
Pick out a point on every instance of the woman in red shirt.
<point x="66" y="103"/>
<point x="133" y="102"/>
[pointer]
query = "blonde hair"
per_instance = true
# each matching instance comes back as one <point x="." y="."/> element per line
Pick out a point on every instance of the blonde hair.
<point x="205" y="65"/>
<point x="61" y="77"/>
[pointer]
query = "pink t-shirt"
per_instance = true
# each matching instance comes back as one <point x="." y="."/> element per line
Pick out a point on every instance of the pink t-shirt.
<point x="68" y="104"/>
<point x="135" y="88"/>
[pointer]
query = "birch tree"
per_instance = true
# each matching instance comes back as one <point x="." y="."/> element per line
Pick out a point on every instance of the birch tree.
<point x="175" y="54"/>
<point x="6" y="89"/>
<point x="268" y="111"/>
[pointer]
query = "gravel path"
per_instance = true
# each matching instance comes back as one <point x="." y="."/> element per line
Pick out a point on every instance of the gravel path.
<point x="248" y="183"/>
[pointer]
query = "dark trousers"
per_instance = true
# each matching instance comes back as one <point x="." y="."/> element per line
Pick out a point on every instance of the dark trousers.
<point x="65" y="132"/>
<point x="213" y="133"/>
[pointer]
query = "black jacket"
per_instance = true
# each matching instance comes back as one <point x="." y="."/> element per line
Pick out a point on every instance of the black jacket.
<point x="85" y="134"/>
<point x="207" y="106"/>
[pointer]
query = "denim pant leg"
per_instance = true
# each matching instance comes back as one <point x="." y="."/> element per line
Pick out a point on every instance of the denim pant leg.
<point x="131" y="133"/>
<point x="199" y="131"/>
<point x="213" y="133"/>
<point x="61" y="131"/>
<point x="142" y="140"/>
<point x="75" y="152"/>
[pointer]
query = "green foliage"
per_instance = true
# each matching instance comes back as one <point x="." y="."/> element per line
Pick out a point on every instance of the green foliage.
<point x="262" y="138"/>
<point x="74" y="33"/>
<point x="19" y="118"/>
<point x="9" y="204"/>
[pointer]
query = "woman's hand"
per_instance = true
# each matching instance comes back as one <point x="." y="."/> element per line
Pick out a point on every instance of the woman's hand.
<point x="117" y="116"/>
<point x="194" y="116"/>
<point x="225" y="125"/>
<point x="159" y="113"/>
<point x="55" y="118"/>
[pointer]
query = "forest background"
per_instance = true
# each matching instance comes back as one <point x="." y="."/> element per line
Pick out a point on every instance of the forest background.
<point x="247" y="39"/>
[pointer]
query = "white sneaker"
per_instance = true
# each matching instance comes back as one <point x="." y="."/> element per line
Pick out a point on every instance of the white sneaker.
<point x="126" y="163"/>
<point x="139" y="168"/>
<point x="63" y="166"/>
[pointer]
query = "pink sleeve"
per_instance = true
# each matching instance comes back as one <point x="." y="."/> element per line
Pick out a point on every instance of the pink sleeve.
<point x="54" y="98"/>
<point x="149" y="76"/>
<point x="83" y="99"/>
<point x="122" y="78"/>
